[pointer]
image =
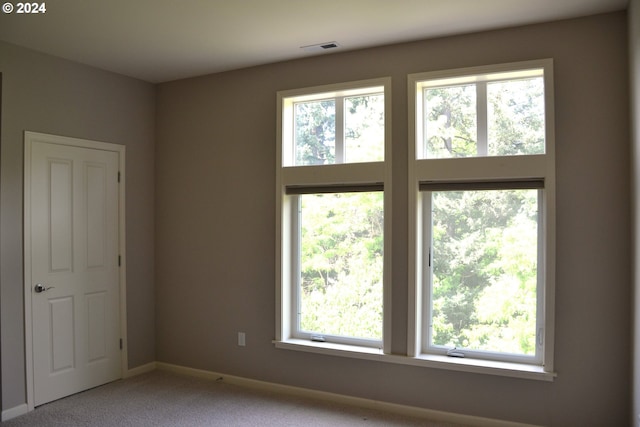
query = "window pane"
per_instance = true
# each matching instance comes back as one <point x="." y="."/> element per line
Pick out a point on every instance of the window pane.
<point x="516" y="117"/>
<point x="341" y="254"/>
<point x="315" y="133"/>
<point x="496" y="118"/>
<point x="484" y="275"/>
<point x="450" y="116"/>
<point x="364" y="128"/>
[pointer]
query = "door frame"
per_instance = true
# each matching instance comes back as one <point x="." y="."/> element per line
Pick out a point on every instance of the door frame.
<point x="29" y="139"/>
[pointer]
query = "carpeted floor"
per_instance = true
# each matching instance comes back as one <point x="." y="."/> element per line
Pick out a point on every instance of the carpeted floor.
<point x="167" y="399"/>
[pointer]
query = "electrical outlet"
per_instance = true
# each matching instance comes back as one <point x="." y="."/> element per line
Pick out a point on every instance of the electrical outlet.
<point x="241" y="339"/>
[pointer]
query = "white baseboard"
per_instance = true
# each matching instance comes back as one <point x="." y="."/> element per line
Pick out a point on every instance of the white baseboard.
<point x="413" y="411"/>
<point x="16" y="411"/>
<point x="142" y="369"/>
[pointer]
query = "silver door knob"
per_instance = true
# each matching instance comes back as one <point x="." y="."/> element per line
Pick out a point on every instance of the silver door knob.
<point x="39" y="287"/>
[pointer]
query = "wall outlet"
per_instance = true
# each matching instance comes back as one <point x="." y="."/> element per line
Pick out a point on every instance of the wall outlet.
<point x="241" y="339"/>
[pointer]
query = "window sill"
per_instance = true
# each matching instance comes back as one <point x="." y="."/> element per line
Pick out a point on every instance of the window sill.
<point x="506" y="369"/>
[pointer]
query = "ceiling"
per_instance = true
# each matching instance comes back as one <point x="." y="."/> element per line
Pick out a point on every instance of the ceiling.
<point x="163" y="40"/>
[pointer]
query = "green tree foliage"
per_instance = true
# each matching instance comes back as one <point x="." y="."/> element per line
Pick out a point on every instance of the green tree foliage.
<point x="451" y="121"/>
<point x="516" y="117"/>
<point x="341" y="264"/>
<point x="485" y="269"/>
<point x="515" y="123"/>
<point x="364" y="128"/>
<point x="315" y="130"/>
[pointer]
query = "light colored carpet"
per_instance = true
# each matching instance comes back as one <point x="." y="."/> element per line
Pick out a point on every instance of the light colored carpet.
<point x="167" y="399"/>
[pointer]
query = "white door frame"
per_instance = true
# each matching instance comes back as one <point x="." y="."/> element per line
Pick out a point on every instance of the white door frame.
<point x="29" y="138"/>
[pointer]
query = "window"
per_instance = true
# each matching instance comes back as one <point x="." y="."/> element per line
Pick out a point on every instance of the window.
<point x="341" y="129"/>
<point x="481" y="210"/>
<point x="492" y="115"/>
<point x="333" y="172"/>
<point x="482" y="203"/>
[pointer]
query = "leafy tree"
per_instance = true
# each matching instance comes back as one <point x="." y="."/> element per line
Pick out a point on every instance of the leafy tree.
<point x="364" y="128"/>
<point x="315" y="132"/>
<point x="515" y="123"/>
<point x="516" y="117"/>
<point x="485" y="269"/>
<point x="451" y="121"/>
<point x="341" y="264"/>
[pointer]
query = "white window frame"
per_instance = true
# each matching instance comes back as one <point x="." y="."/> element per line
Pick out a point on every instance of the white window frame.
<point x="480" y="169"/>
<point x="324" y="178"/>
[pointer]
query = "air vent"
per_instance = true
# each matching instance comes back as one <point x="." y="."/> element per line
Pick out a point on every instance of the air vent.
<point x="320" y="47"/>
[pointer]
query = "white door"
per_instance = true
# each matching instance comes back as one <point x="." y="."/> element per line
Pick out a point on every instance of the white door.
<point x="74" y="269"/>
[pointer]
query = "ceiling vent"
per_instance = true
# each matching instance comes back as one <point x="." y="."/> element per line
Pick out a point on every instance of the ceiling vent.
<point x="320" y="47"/>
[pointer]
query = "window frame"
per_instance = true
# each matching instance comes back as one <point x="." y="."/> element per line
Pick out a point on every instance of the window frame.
<point x="473" y="170"/>
<point x="312" y="179"/>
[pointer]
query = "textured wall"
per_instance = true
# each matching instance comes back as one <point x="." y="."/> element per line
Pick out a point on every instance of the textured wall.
<point x="50" y="95"/>
<point x="216" y="214"/>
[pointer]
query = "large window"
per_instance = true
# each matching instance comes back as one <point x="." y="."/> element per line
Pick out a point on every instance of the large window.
<point x="482" y="186"/>
<point x="332" y="197"/>
<point x="481" y="221"/>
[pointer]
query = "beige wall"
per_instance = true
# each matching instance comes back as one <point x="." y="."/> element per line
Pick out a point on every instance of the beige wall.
<point x="45" y="94"/>
<point x="215" y="162"/>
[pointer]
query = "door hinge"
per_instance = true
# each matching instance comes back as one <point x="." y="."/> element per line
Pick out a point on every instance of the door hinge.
<point x="119" y="261"/>
<point x="120" y="343"/>
<point x="118" y="176"/>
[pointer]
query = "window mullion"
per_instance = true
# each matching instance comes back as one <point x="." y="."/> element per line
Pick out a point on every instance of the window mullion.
<point x="339" y="129"/>
<point x="481" y="117"/>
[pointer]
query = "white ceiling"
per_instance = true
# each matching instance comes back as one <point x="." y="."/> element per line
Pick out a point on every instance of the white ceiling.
<point x="163" y="40"/>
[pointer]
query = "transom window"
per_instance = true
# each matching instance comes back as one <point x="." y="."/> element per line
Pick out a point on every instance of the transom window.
<point x="341" y="129"/>
<point x="497" y="114"/>
<point x="337" y="126"/>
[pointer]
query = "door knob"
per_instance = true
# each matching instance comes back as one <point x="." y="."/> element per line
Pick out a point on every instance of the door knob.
<point x="39" y="287"/>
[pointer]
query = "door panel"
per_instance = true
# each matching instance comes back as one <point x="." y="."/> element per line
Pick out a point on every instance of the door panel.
<point x="62" y="326"/>
<point x="96" y="182"/>
<point x="96" y="321"/>
<point x="74" y="255"/>
<point x="61" y="216"/>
